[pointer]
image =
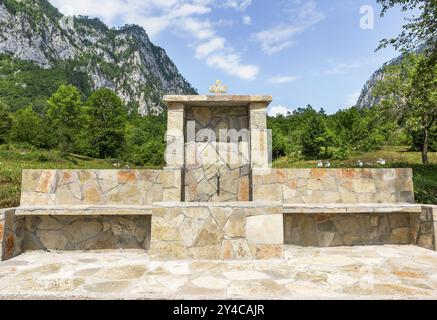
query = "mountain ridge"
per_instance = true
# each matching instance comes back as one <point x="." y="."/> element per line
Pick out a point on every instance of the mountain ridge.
<point x="123" y="60"/>
<point x="366" y="98"/>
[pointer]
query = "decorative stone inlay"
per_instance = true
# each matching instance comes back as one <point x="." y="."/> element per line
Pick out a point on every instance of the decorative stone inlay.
<point x="325" y="186"/>
<point x="217" y="170"/>
<point x="216" y="231"/>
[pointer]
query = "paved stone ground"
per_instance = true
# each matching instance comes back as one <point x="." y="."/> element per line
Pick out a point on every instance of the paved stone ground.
<point x="372" y="272"/>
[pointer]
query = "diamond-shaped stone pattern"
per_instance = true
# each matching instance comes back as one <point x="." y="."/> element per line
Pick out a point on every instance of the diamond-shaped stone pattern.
<point x="217" y="170"/>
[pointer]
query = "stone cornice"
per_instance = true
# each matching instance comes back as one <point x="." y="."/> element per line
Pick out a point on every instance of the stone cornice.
<point x="216" y="100"/>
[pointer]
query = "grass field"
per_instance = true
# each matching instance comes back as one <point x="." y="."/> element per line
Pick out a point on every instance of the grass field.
<point x="13" y="159"/>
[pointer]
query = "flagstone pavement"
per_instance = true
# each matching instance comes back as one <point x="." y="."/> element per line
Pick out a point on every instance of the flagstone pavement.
<point x="368" y="272"/>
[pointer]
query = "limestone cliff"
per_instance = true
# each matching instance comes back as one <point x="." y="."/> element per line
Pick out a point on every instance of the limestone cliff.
<point x="367" y="99"/>
<point x="123" y="60"/>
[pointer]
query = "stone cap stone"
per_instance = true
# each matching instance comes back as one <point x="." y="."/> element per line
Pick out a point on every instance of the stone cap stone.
<point x="217" y="101"/>
<point x="83" y="210"/>
<point x="236" y="204"/>
<point x="353" y="208"/>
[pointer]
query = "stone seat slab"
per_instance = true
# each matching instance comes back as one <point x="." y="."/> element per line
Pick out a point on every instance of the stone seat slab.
<point x="235" y="204"/>
<point x="353" y="208"/>
<point x="84" y="210"/>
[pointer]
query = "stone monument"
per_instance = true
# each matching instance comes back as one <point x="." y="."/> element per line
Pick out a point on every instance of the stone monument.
<point x="217" y="197"/>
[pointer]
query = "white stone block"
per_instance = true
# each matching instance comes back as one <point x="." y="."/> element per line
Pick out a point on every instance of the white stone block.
<point x="265" y="229"/>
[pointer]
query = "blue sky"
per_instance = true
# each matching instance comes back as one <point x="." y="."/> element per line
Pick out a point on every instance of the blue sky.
<point x="299" y="51"/>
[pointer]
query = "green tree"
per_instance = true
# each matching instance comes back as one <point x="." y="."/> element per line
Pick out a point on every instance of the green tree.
<point x="64" y="112"/>
<point x="27" y="127"/>
<point x="422" y="100"/>
<point x="279" y="136"/>
<point x="145" y="143"/>
<point x="421" y="29"/>
<point x="409" y="93"/>
<point x="5" y="122"/>
<point x="313" y="136"/>
<point x="107" y="117"/>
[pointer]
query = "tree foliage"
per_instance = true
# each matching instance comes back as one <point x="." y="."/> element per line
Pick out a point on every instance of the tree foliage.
<point x="65" y="115"/>
<point x="106" y="117"/>
<point x="27" y="127"/>
<point x="5" y="122"/>
<point x="418" y="30"/>
<point x="409" y="96"/>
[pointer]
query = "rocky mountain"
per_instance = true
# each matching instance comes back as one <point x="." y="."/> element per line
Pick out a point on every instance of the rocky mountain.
<point x="366" y="99"/>
<point x="87" y="53"/>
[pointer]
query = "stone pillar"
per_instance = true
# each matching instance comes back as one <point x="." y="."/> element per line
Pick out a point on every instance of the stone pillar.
<point x="10" y="241"/>
<point x="259" y="137"/>
<point x="2" y="231"/>
<point x="424" y="228"/>
<point x="175" y="136"/>
<point x="217" y="231"/>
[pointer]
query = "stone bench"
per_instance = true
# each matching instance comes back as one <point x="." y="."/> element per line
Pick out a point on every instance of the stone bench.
<point x="326" y="225"/>
<point x="169" y="230"/>
<point x="112" y="209"/>
<point x="81" y="227"/>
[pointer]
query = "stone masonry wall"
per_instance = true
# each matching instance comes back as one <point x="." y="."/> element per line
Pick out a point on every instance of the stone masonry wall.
<point x="333" y="185"/>
<point x="424" y="227"/>
<point x="331" y="229"/>
<point x="85" y="233"/>
<point x="22" y="233"/>
<point x="217" y="231"/>
<point x="99" y="187"/>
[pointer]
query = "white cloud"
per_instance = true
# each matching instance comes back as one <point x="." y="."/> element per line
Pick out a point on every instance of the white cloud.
<point x="279" y="110"/>
<point x="200" y="29"/>
<point x="206" y="48"/>
<point x="188" y="18"/>
<point x="281" y="36"/>
<point x="238" y="4"/>
<point x="247" y="20"/>
<point x="281" y="79"/>
<point x="277" y="38"/>
<point x="352" y="99"/>
<point x="187" y="10"/>
<point x="231" y="64"/>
